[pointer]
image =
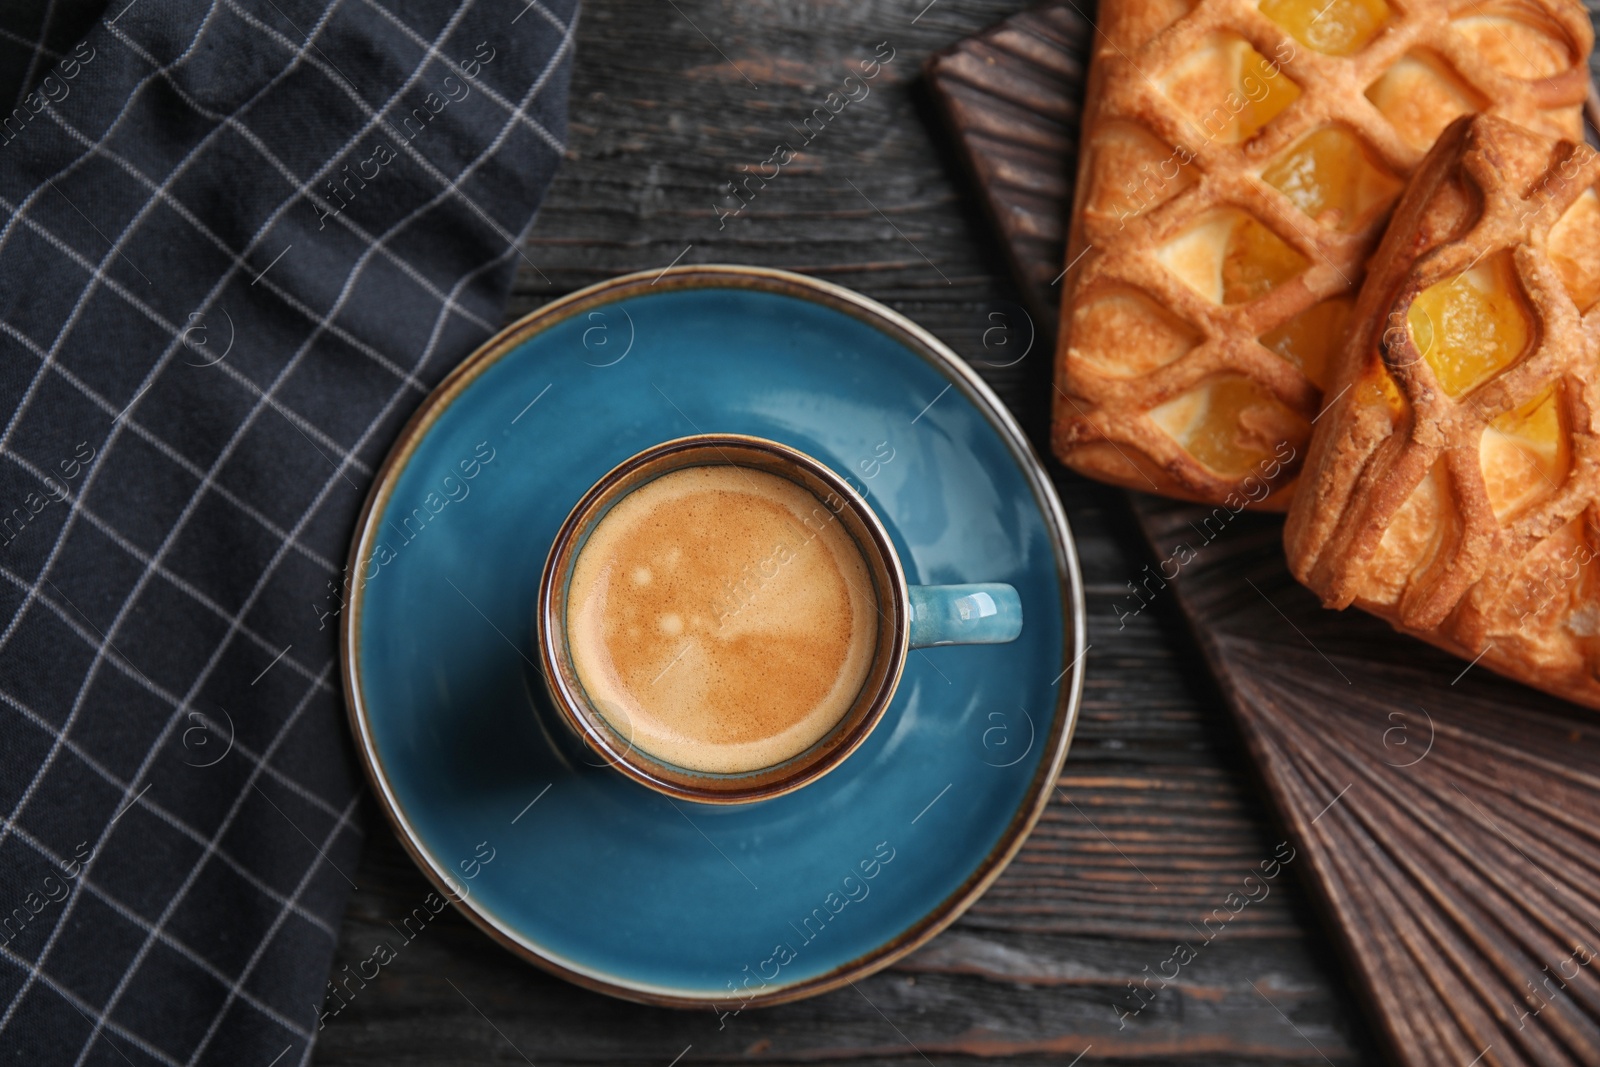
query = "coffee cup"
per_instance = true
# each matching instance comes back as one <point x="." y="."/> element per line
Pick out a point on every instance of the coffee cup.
<point x="724" y="619"/>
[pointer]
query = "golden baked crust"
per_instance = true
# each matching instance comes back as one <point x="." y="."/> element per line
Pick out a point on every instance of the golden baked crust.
<point x="1452" y="486"/>
<point x="1215" y="246"/>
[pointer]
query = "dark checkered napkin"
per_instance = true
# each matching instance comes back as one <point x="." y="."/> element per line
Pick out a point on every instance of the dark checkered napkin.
<point x="239" y="242"/>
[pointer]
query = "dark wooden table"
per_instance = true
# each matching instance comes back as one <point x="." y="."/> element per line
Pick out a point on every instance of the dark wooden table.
<point x="672" y="99"/>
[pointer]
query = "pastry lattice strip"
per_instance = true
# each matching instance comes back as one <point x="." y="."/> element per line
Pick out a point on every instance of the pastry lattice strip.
<point x="1215" y="247"/>
<point x="1452" y="484"/>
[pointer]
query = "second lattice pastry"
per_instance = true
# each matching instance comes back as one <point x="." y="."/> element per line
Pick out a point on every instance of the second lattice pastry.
<point x="1453" y="486"/>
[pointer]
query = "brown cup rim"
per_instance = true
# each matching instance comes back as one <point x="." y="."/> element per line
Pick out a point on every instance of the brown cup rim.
<point x="890" y="591"/>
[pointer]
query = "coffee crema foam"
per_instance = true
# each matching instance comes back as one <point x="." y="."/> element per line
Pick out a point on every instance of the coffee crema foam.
<point x="721" y="618"/>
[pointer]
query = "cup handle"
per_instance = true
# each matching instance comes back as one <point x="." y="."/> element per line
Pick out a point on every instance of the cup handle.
<point x="989" y="613"/>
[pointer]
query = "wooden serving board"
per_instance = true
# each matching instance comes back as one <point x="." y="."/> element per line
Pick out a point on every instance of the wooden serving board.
<point x="1447" y="820"/>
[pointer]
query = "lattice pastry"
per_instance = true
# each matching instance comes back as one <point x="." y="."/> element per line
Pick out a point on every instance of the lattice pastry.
<point x="1240" y="162"/>
<point x="1453" y="483"/>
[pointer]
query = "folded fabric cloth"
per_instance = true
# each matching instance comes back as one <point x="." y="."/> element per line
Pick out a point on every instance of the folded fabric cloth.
<point x="239" y="242"/>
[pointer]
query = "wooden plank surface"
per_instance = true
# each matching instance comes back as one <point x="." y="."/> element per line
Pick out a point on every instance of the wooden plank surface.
<point x="1161" y="823"/>
<point x="1450" y="819"/>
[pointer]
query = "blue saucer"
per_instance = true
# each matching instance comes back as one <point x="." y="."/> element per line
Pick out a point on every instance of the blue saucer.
<point x="570" y="864"/>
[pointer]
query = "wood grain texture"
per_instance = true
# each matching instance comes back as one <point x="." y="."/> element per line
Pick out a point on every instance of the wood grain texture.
<point x="1157" y="782"/>
<point x="1450" y="819"/>
<point x="1015" y="94"/>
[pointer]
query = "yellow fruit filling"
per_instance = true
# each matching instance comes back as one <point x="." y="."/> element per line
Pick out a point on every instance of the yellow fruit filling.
<point x="1524" y="455"/>
<point x="1330" y="176"/>
<point x="1334" y="27"/>
<point x="1468" y="328"/>
<point x="1256" y="262"/>
<point x="1230" y="425"/>
<point x="1230" y="258"/>
<point x="1376" y="388"/>
<point x="1125" y="334"/>
<point x="1421" y="95"/>
<point x="1574" y="246"/>
<point x="1228" y="90"/>
<point x="1523" y="47"/>
<point x="1419" y="529"/>
<point x="1312" y="338"/>
<point x="1133" y="171"/>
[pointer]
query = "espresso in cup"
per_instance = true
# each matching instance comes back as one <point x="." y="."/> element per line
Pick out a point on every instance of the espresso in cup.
<point x="721" y="618"/>
<point x="724" y="619"/>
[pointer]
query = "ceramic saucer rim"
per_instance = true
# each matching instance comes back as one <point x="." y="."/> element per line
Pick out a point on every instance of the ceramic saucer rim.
<point x="923" y="344"/>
